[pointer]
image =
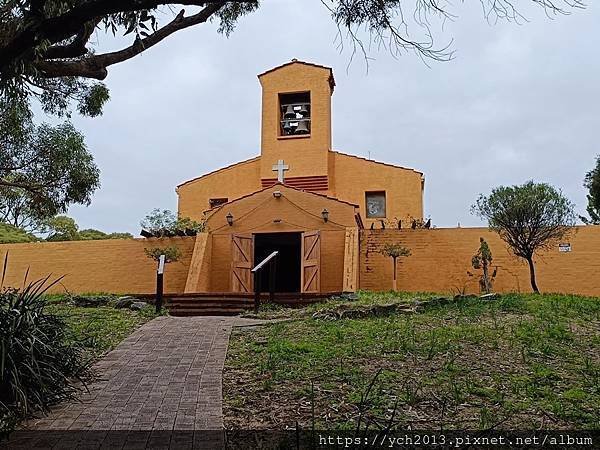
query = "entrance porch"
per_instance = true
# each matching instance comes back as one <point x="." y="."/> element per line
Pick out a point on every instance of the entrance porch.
<point x="316" y="238"/>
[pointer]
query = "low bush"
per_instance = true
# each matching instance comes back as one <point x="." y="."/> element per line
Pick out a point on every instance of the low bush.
<point x="39" y="364"/>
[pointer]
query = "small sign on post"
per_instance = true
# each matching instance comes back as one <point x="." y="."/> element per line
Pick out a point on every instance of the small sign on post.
<point x="564" y="247"/>
<point x="159" y="283"/>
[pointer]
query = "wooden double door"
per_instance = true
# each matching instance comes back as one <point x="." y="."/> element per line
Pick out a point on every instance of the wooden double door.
<point x="242" y="254"/>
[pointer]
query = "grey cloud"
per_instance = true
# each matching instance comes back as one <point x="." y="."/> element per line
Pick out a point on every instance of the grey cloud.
<point x="519" y="102"/>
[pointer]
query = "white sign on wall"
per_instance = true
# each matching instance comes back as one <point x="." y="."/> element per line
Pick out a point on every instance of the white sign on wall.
<point x="564" y="247"/>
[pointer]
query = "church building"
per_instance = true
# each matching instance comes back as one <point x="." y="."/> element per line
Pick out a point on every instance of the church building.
<point x="298" y="196"/>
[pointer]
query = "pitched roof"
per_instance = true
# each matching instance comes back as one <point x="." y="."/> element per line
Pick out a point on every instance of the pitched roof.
<point x="219" y="170"/>
<point x="295" y="61"/>
<point x="216" y="208"/>
<point x="377" y="162"/>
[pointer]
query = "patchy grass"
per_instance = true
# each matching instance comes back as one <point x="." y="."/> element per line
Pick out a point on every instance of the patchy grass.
<point x="99" y="329"/>
<point x="521" y="361"/>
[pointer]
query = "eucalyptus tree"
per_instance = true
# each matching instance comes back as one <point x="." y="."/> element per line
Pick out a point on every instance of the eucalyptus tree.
<point x="49" y="48"/>
<point x="43" y="169"/>
<point x="592" y="184"/>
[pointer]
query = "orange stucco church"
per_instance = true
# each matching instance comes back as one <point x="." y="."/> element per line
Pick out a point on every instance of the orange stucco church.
<point x="321" y="209"/>
<point x="299" y="196"/>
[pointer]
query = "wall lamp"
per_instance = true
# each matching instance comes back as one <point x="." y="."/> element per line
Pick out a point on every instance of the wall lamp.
<point x="277" y="194"/>
<point x="229" y="218"/>
<point x="325" y="215"/>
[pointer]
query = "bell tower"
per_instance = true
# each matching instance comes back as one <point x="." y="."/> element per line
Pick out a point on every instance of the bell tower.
<point x="296" y="125"/>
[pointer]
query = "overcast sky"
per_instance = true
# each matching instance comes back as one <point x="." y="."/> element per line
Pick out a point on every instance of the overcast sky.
<point x="518" y="102"/>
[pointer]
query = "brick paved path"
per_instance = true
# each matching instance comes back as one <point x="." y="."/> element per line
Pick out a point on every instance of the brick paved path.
<point x="167" y="375"/>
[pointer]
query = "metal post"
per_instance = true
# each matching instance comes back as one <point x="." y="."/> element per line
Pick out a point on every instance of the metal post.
<point x="256" y="290"/>
<point x="272" y="270"/>
<point x="159" y="283"/>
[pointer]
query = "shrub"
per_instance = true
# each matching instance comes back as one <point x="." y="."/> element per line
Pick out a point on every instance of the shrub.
<point x="171" y="253"/>
<point x="10" y="234"/>
<point x="38" y="363"/>
<point x="395" y="251"/>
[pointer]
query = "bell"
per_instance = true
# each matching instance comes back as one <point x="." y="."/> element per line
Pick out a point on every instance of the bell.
<point x="304" y="110"/>
<point x="289" y="112"/>
<point x="302" y="127"/>
<point x="287" y="128"/>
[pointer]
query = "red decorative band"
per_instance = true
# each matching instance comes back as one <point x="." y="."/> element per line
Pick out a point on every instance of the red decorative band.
<point x="315" y="183"/>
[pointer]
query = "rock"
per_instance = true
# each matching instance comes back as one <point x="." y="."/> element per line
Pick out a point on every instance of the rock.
<point x="124" y="302"/>
<point x="493" y="296"/>
<point x="92" y="301"/>
<point x="346" y="312"/>
<point x="136" y="306"/>
<point x="464" y="297"/>
<point x="349" y="296"/>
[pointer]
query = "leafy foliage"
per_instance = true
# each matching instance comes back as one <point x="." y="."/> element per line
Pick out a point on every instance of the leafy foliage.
<point x="395" y="250"/>
<point x="592" y="184"/>
<point x="43" y="169"/>
<point x="158" y="220"/>
<point x="37" y="360"/>
<point x="46" y="50"/>
<point x="12" y="235"/>
<point x="171" y="253"/>
<point x="95" y="235"/>
<point x="165" y="223"/>
<point x="63" y="228"/>
<point x="530" y="218"/>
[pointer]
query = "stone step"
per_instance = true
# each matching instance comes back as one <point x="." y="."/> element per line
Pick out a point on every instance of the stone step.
<point x="228" y="303"/>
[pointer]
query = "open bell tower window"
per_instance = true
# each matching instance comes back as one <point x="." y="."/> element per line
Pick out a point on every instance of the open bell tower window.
<point x="294" y="114"/>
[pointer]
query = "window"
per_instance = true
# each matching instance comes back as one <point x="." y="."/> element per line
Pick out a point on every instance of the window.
<point x="294" y="114"/>
<point x="214" y="202"/>
<point x="375" y="204"/>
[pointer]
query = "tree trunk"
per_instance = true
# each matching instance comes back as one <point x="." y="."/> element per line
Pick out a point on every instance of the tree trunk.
<point x="486" y="280"/>
<point x="532" y="275"/>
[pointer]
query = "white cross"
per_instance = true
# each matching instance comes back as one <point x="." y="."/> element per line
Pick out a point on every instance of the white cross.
<point x="280" y="168"/>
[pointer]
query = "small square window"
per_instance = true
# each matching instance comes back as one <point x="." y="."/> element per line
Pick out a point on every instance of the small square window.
<point x="214" y="202"/>
<point x="375" y="204"/>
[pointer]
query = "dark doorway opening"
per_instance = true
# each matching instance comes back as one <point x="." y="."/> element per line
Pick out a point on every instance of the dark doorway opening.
<point x="287" y="277"/>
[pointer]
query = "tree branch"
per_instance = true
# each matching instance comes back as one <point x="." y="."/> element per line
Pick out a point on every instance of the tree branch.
<point x="95" y="66"/>
<point x="76" y="47"/>
<point x="57" y="29"/>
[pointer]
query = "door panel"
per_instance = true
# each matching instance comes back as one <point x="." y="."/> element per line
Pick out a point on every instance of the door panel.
<point x="242" y="258"/>
<point x="311" y="261"/>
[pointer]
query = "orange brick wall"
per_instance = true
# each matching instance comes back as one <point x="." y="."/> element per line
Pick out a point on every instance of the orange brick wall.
<point x="115" y="265"/>
<point x="439" y="262"/>
<point x="441" y="258"/>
